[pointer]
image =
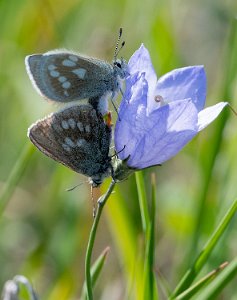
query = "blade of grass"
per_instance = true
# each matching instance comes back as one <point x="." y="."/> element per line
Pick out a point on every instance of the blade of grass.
<point x="217" y="285"/>
<point x="229" y="76"/>
<point x="15" y="176"/>
<point x="199" y="262"/>
<point x="150" y="288"/>
<point x="163" y="284"/>
<point x="187" y="294"/>
<point x="143" y="203"/>
<point x="95" y="271"/>
<point x="125" y="236"/>
<point x="153" y="284"/>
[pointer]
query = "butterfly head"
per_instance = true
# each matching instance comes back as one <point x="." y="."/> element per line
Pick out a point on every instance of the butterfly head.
<point x="120" y="68"/>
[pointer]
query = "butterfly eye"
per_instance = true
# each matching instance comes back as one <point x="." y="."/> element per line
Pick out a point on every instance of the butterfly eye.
<point x="118" y="64"/>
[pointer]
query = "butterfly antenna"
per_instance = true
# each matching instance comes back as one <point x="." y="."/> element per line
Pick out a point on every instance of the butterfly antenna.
<point x="116" y="51"/>
<point x="74" y="187"/>
<point x="123" y="43"/>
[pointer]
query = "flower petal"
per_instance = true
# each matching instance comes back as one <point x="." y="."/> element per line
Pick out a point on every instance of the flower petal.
<point x="125" y="130"/>
<point x="130" y="82"/>
<point x="180" y="84"/>
<point x="169" y="129"/>
<point x="141" y="62"/>
<point x="209" y="114"/>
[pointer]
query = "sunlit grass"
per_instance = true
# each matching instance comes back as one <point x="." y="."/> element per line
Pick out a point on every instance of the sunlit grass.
<point x="44" y="230"/>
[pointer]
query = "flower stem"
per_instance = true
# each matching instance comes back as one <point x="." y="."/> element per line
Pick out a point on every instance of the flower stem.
<point x="101" y="203"/>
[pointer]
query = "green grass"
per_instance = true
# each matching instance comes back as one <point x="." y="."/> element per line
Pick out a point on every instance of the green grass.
<point x="155" y="229"/>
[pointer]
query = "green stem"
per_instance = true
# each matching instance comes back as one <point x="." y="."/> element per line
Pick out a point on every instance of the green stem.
<point x="218" y="284"/>
<point x="190" y="292"/>
<point x="143" y="202"/>
<point x="101" y="203"/>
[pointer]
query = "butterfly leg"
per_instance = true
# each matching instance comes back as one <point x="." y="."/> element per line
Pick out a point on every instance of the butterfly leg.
<point x="121" y="91"/>
<point x="116" y="153"/>
<point x="115" y="108"/>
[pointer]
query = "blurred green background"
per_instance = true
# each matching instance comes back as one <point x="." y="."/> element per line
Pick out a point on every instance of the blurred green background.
<point x="44" y="229"/>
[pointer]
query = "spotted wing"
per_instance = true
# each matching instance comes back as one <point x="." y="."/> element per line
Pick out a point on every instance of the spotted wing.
<point x="76" y="137"/>
<point x="63" y="76"/>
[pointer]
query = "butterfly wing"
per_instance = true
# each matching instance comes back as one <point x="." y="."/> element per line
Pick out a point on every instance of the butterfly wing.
<point x="63" y="76"/>
<point x="77" y="137"/>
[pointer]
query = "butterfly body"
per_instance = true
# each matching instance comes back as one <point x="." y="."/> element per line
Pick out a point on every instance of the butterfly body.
<point x="77" y="137"/>
<point x="65" y="76"/>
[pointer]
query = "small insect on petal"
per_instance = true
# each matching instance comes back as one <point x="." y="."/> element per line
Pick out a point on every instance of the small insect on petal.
<point x="159" y="98"/>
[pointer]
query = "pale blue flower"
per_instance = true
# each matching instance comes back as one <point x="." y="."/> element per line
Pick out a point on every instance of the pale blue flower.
<point x="158" y="118"/>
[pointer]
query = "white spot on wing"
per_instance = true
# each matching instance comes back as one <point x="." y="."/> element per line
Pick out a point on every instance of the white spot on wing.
<point x="69" y="142"/>
<point x="56" y="127"/>
<point x="65" y="124"/>
<point x="68" y="63"/>
<point x="81" y="142"/>
<point x="73" y="58"/>
<point x="66" y="147"/>
<point x="54" y="73"/>
<point x="88" y="128"/>
<point x="62" y="79"/>
<point x="51" y="67"/>
<point x="80" y="126"/>
<point x="66" y="85"/>
<point x="66" y="93"/>
<point x="80" y="72"/>
<point x="72" y="123"/>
